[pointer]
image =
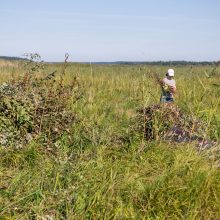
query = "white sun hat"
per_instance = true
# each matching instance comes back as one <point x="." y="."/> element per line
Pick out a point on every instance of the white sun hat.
<point x="170" y="72"/>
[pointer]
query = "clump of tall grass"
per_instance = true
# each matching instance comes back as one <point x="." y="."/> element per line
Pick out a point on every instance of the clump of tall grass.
<point x="168" y="122"/>
<point x="157" y="182"/>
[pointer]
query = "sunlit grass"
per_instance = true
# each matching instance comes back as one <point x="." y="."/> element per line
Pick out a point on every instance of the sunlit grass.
<point x="99" y="176"/>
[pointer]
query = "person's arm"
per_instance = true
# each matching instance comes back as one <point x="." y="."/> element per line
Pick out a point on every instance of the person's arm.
<point x="162" y="82"/>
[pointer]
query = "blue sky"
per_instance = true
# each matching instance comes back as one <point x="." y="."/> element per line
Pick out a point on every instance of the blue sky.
<point x="98" y="30"/>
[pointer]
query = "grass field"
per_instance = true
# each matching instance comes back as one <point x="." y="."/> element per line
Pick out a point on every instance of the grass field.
<point x="108" y="170"/>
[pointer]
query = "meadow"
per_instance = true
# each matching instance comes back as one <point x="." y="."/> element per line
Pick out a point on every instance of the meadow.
<point x="103" y="167"/>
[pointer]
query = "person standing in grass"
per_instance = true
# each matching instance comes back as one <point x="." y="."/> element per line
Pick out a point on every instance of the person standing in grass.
<point x="168" y="87"/>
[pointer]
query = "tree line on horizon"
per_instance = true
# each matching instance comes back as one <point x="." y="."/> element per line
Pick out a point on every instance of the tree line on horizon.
<point x="160" y="63"/>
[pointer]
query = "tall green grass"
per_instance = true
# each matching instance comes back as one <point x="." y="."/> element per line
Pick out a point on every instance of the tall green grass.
<point x="109" y="171"/>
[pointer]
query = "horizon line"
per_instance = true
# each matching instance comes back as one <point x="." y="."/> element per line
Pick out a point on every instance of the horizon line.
<point x="117" y="61"/>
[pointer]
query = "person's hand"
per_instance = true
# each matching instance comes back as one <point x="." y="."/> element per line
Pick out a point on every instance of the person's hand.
<point x="172" y="89"/>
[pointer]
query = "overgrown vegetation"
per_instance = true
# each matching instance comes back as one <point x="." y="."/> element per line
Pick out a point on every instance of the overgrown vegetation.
<point x="86" y="159"/>
<point x="36" y="108"/>
<point x="170" y="123"/>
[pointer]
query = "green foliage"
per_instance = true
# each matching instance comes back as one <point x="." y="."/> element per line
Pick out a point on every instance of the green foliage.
<point x="36" y="108"/>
